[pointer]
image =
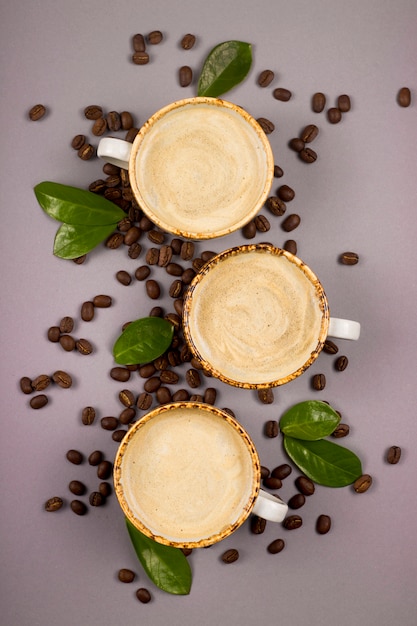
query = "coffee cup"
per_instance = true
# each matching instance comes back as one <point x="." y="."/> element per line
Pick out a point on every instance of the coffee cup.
<point x="188" y="475"/>
<point x="199" y="168"/>
<point x="256" y="316"/>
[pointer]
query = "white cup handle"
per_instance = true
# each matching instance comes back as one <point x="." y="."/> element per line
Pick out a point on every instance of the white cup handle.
<point x="115" y="151"/>
<point x="270" y="507"/>
<point x="344" y="329"/>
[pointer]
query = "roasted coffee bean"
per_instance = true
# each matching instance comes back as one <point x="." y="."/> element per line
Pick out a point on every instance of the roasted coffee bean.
<point x="282" y="94"/>
<point x="349" y="258"/>
<point x="78" y="507"/>
<point x="138" y="42"/>
<point x="93" y="112"/>
<point x="276" y="546"/>
<point x="134" y="250"/>
<point x="168" y="377"/>
<point x="341" y="363"/>
<point x="265" y="78"/>
<point x="187" y="250"/>
<point x="267" y="126"/>
<point x="143" y="595"/>
<point x="114" y="122"/>
<point x="176" y="288"/>
<point x="78" y="141"/>
<point x="193" y="378"/>
<point x="26" y="385"/>
<point x="210" y="395"/>
<point x="54" y="504"/>
<point x="37" y="112"/>
<point x="84" y="346"/>
<point x="126" y="120"/>
<point x="341" y="430"/>
<point x="278" y="171"/>
<point x="156" y="236"/>
<point x="123" y="277"/>
<point x="102" y="301"/>
<point x="318" y="382"/>
<point x="305" y="485"/>
<point x="282" y="471"/>
<point x="41" y="382"/>
<point x="75" y="457"/>
<point x="292" y="522"/>
<point x="153" y="289"/>
<point x="185" y="76"/>
<point x="132" y="235"/>
<point x="66" y="325"/>
<point x="77" y="487"/>
<point x="230" y="556"/>
<point x="67" y="342"/>
<point x="109" y="423"/>
<point x="86" y="152"/>
<point x="105" y="489"/>
<point x="330" y="347"/>
<point x="266" y="396"/>
<point x="309" y="133"/>
<point x="148" y="370"/>
<point x="54" y="334"/>
<point x="99" y="127"/>
<point x="163" y="395"/>
<point x="393" y="455"/>
<point x="290" y="246"/>
<point x="262" y="224"/>
<point x="152" y="384"/>
<point x="272" y="483"/>
<point x="181" y="395"/>
<point x="152" y="256"/>
<point x="174" y="269"/>
<point x="176" y="245"/>
<point x="88" y="415"/>
<point x="404" y="97"/>
<point x="104" y="470"/>
<point x="291" y="222"/>
<point x="156" y="311"/>
<point x="271" y="428"/>
<point x="187" y="42"/>
<point x="96" y="498"/>
<point x="323" y="524"/>
<point x="127" y="397"/>
<point x="38" y="402"/>
<point x="144" y="401"/>
<point x="296" y="501"/>
<point x="142" y="272"/>
<point x="265" y="472"/>
<point x="308" y="155"/>
<point x="165" y="256"/>
<point x="343" y="103"/>
<point x="318" y="102"/>
<point x="296" y="144"/>
<point x="334" y="115"/>
<point x="198" y="263"/>
<point x="249" y="230"/>
<point x="113" y="194"/>
<point x="286" y="193"/>
<point x="126" y="575"/>
<point x="140" y="58"/>
<point x="127" y="415"/>
<point x="121" y="374"/>
<point x="154" y="37"/>
<point x="109" y="169"/>
<point x="87" y="311"/>
<point x="276" y="205"/>
<point x="62" y="379"/>
<point x="257" y="525"/>
<point x="362" y="483"/>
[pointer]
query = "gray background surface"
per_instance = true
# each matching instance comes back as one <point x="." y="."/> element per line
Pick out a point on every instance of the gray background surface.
<point x="360" y="195"/>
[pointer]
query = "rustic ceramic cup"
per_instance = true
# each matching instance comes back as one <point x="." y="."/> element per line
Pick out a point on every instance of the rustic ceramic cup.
<point x="199" y="168"/>
<point x="188" y="475"/>
<point x="256" y="316"/>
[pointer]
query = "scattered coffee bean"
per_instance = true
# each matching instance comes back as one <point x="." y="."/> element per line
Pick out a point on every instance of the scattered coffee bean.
<point x="291" y="222"/>
<point x="404" y="97"/>
<point x="230" y="556"/>
<point x="341" y="363"/>
<point x="292" y="522"/>
<point x="362" y="483"/>
<point x="144" y="401"/>
<point x="37" y="112"/>
<point x="265" y="78"/>
<point x="86" y="152"/>
<point x="296" y="144"/>
<point x="276" y="546"/>
<point x="290" y="246"/>
<point x="349" y="258"/>
<point x="282" y="94"/>
<point x="75" y="457"/>
<point x="266" y="396"/>
<point x="140" y="58"/>
<point x="54" y="504"/>
<point x="127" y="416"/>
<point x="54" y="334"/>
<point x="138" y="42"/>
<point x="152" y="256"/>
<point x="305" y="485"/>
<point x="267" y="126"/>
<point x="127" y="397"/>
<point x="87" y="311"/>
<point x="153" y="289"/>
<point x="117" y="435"/>
<point x="309" y="133"/>
<point x="102" y="301"/>
<point x="265" y="472"/>
<point x="276" y="205"/>
<point x="84" y="346"/>
<point x="126" y="575"/>
<point x="296" y="501"/>
<point x="114" y="241"/>
<point x="41" y="382"/>
<point x="105" y="489"/>
<point x="99" y="127"/>
<point x="271" y="429"/>
<point x="323" y="524"/>
<point x="78" y="141"/>
<point x="393" y="455"/>
<point x="62" y="379"/>
<point x="272" y="482"/>
<point x="109" y="423"/>
<point x="78" y="507"/>
<point x="126" y="120"/>
<point x="249" y="230"/>
<point x="123" y="277"/>
<point x="308" y="155"/>
<point x="188" y="41"/>
<point x="142" y="272"/>
<point x="278" y="171"/>
<point x="93" y="112"/>
<point x="334" y="115"/>
<point x="176" y="288"/>
<point x="77" y="487"/>
<point x="193" y="378"/>
<point x="143" y="595"/>
<point x="38" y="402"/>
<point x="185" y="75"/>
<point x="96" y="498"/>
<point x="286" y="193"/>
<point x="330" y="347"/>
<point x="104" y="470"/>
<point x="187" y="250"/>
<point x="318" y="102"/>
<point x="67" y="342"/>
<point x="88" y="415"/>
<point x="121" y="374"/>
<point x="343" y="103"/>
<point x="66" y="325"/>
<point x="154" y="37"/>
<point x="257" y="525"/>
<point x="262" y="224"/>
<point x="163" y="395"/>
<point x="26" y="385"/>
<point x="341" y="430"/>
<point x="318" y="382"/>
<point x="282" y="471"/>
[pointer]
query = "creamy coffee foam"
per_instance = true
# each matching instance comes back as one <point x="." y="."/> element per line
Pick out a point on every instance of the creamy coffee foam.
<point x="187" y="474"/>
<point x="255" y="317"/>
<point x="202" y="168"/>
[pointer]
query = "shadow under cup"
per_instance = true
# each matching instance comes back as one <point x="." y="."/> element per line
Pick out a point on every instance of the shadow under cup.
<point x="187" y="474"/>
<point x="255" y="316"/>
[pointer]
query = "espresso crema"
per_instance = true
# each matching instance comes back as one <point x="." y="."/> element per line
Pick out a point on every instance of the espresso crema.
<point x="187" y="474"/>
<point x="255" y="317"/>
<point x="203" y="169"/>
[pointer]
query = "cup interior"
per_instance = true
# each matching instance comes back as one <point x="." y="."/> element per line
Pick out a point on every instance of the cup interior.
<point x="255" y="316"/>
<point x="201" y="168"/>
<point x="187" y="474"/>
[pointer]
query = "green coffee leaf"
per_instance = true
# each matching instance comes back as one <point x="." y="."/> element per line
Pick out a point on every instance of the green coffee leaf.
<point x="326" y="463"/>
<point x="74" y="240"/>
<point x="76" y="206"/>
<point x="224" y="68"/>
<point x="143" y="341"/>
<point x="166" y="566"/>
<point x="309" y="420"/>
